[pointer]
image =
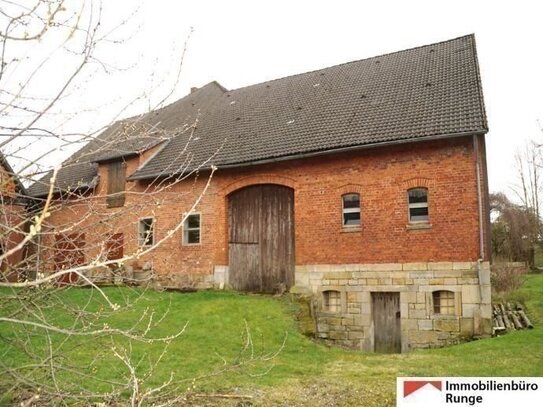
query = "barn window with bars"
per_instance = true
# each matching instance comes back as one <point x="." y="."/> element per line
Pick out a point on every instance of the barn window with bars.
<point x="443" y="302"/>
<point x="331" y="301"/>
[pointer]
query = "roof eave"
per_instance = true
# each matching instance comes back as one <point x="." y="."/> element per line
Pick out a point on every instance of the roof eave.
<point x="87" y="186"/>
<point x="327" y="152"/>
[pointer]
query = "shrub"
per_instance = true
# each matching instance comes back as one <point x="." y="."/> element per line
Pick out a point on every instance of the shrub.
<point x="506" y="277"/>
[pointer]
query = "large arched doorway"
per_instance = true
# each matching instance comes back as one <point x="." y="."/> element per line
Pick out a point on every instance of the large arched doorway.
<point x="261" y="238"/>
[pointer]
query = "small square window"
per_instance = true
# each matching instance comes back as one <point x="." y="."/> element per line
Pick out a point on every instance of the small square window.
<point x="191" y="229"/>
<point x="146" y="232"/>
<point x="443" y="302"/>
<point x="331" y="301"/>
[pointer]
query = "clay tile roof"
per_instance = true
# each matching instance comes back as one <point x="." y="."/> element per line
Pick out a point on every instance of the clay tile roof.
<point x="424" y="92"/>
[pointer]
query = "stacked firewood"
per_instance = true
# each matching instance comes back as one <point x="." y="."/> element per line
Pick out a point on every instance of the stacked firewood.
<point x="509" y="317"/>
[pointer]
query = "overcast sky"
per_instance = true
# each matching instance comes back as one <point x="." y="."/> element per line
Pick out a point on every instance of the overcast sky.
<point x="240" y="43"/>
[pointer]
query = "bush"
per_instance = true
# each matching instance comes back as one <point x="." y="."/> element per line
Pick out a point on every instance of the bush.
<point x="506" y="277"/>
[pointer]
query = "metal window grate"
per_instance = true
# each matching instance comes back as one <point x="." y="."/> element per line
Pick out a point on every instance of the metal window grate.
<point x="443" y="302"/>
<point x="331" y="301"/>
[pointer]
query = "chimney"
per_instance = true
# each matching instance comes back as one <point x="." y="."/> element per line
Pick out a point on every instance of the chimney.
<point x="193" y="89"/>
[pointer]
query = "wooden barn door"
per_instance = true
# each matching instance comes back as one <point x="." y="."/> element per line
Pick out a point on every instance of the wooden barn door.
<point x="261" y="238"/>
<point x="387" y="322"/>
<point x="69" y="253"/>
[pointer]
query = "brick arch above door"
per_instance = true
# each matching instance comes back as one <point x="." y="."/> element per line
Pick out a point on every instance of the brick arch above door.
<point x="259" y="180"/>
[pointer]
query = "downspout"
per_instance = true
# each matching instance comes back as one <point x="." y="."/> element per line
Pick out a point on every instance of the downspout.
<point x="38" y="257"/>
<point x="480" y="203"/>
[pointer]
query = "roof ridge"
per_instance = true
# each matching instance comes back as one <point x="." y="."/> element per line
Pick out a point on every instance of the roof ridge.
<point x="472" y="35"/>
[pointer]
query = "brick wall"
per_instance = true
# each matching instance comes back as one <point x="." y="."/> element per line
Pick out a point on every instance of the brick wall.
<point x="13" y="217"/>
<point x="381" y="176"/>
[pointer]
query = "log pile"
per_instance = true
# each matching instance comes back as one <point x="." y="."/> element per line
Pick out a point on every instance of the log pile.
<point x="509" y="317"/>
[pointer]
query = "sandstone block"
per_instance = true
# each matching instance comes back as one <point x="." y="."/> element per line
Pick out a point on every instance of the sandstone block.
<point x="468" y="309"/>
<point x="447" y="325"/>
<point x="439" y="266"/>
<point x="385" y="281"/>
<point x="408" y="296"/>
<point x="421" y="275"/>
<point x="381" y="267"/>
<point x="362" y="320"/>
<point x="470" y="294"/>
<point x="425" y="324"/>
<point x="448" y="273"/>
<point x="417" y="313"/>
<point x="414" y="266"/>
<point x="465" y="266"/>
<point x="466" y="327"/>
<point x="422" y="337"/>
<point x="356" y="335"/>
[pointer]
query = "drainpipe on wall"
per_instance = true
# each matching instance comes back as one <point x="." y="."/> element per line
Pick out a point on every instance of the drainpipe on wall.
<point x="38" y="256"/>
<point x="480" y="204"/>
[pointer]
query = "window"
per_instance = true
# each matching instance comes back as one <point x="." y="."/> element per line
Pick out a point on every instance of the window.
<point x="331" y="300"/>
<point x="418" y="205"/>
<point x="116" y="179"/>
<point x="191" y="229"/>
<point x="351" y="209"/>
<point x="146" y="232"/>
<point x="443" y="302"/>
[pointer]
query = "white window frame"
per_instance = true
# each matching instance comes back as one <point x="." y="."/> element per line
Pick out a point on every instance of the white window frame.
<point x="142" y="240"/>
<point x="351" y="210"/>
<point x="418" y="205"/>
<point x="186" y="229"/>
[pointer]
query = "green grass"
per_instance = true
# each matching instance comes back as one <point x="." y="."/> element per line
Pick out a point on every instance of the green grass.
<point x="214" y="340"/>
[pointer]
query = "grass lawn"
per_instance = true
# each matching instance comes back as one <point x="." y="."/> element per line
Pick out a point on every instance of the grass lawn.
<point x="304" y="372"/>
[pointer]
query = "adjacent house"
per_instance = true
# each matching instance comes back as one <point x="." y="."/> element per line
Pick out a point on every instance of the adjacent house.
<point x="362" y="185"/>
<point x="12" y="222"/>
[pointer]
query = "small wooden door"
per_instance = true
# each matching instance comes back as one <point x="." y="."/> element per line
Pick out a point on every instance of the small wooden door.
<point x="69" y="253"/>
<point x="261" y="238"/>
<point x="387" y="322"/>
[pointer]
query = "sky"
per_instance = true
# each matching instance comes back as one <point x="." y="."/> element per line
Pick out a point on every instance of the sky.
<point x="239" y="43"/>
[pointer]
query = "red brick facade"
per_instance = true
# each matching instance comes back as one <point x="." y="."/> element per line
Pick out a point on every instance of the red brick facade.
<point x="382" y="176"/>
<point x="13" y="220"/>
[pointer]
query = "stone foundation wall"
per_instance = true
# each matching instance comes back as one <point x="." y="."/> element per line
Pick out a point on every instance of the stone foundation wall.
<point x="351" y="323"/>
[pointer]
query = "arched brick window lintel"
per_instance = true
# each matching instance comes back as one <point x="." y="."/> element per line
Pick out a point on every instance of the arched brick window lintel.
<point x="418" y="182"/>
<point x="350" y="188"/>
<point x="259" y="180"/>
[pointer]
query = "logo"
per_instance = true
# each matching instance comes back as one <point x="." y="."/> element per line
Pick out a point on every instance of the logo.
<point x="411" y="386"/>
<point x="469" y="391"/>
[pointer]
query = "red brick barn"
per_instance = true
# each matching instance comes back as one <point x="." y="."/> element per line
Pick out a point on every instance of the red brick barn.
<point x="12" y="222"/>
<point x="363" y="185"/>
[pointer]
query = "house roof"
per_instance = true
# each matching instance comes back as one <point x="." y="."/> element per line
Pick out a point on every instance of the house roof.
<point x="19" y="187"/>
<point x="415" y="94"/>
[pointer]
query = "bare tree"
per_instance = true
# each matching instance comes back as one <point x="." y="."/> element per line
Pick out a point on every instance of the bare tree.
<point x="40" y="251"/>
<point x="514" y="230"/>
<point x="529" y="162"/>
